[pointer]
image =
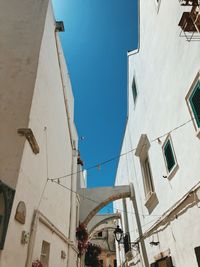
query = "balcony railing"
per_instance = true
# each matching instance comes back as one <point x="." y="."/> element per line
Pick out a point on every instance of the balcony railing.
<point x="189" y="2"/>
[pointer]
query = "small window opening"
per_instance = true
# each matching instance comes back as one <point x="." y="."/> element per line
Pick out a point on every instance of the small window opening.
<point x="100" y="234"/>
<point x="134" y="90"/>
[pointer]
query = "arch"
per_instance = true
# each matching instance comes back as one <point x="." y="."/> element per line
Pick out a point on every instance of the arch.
<point x="93" y="200"/>
<point x="101" y="219"/>
<point x="102" y="228"/>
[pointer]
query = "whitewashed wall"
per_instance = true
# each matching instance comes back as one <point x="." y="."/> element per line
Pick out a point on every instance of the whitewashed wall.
<point x="164" y="69"/>
<point x="49" y="123"/>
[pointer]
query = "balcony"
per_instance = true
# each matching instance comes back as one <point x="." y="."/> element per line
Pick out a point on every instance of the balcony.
<point x="190" y="22"/>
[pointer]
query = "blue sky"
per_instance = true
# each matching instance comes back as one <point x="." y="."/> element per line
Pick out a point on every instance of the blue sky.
<point x="98" y="34"/>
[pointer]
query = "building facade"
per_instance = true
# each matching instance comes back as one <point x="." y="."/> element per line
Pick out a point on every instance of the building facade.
<point x="38" y="212"/>
<point x="105" y="239"/>
<point x="161" y="145"/>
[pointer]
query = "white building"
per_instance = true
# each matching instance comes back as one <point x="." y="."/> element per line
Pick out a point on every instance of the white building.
<point x="38" y="140"/>
<point x="161" y="141"/>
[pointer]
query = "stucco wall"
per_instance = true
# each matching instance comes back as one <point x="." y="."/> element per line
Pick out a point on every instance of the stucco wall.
<point x="21" y="30"/>
<point x="49" y="123"/>
<point x="164" y="69"/>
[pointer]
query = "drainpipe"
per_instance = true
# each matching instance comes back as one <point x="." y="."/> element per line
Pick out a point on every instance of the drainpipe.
<point x="142" y="243"/>
<point x="72" y="219"/>
<point x="32" y="239"/>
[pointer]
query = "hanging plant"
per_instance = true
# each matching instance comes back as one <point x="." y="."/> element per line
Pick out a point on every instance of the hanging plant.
<point x="37" y="263"/>
<point x="82" y="237"/>
<point x="92" y="255"/>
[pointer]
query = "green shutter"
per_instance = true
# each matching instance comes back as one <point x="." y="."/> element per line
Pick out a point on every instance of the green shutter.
<point x="169" y="156"/>
<point x="195" y="103"/>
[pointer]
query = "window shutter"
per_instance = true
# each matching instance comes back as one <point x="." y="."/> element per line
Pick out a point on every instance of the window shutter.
<point x="169" y="156"/>
<point x="195" y="103"/>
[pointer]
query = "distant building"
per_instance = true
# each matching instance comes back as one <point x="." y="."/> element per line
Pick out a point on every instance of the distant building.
<point x="38" y="141"/>
<point x="106" y="240"/>
<point x="162" y="137"/>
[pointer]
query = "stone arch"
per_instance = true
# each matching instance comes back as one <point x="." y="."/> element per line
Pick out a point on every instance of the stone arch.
<point x="102" y="228"/>
<point x="92" y="200"/>
<point x="101" y="219"/>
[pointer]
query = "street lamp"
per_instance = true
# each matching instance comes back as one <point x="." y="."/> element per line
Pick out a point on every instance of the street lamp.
<point x="124" y="239"/>
<point x="118" y="234"/>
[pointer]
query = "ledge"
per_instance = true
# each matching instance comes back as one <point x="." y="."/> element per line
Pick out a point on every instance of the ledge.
<point x="172" y="172"/>
<point x="151" y="202"/>
<point x="27" y="132"/>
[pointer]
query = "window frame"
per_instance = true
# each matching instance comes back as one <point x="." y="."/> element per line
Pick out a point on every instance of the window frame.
<point x="170" y="173"/>
<point x="149" y="191"/>
<point x="147" y="177"/>
<point x="191" y="91"/>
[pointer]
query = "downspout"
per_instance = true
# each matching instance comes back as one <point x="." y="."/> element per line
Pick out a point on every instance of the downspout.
<point x="32" y="239"/>
<point x="74" y="153"/>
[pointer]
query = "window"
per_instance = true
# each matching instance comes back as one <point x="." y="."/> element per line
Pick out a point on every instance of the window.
<point x="6" y="201"/>
<point x="148" y="185"/>
<point x="45" y="254"/>
<point x="169" y="156"/>
<point x="100" y="234"/>
<point x="193" y="102"/>
<point x="142" y="152"/>
<point x="134" y="90"/>
<point x="197" y="252"/>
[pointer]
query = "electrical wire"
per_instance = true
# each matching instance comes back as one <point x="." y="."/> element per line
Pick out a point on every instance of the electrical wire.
<point x="125" y="153"/>
<point x="95" y="201"/>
